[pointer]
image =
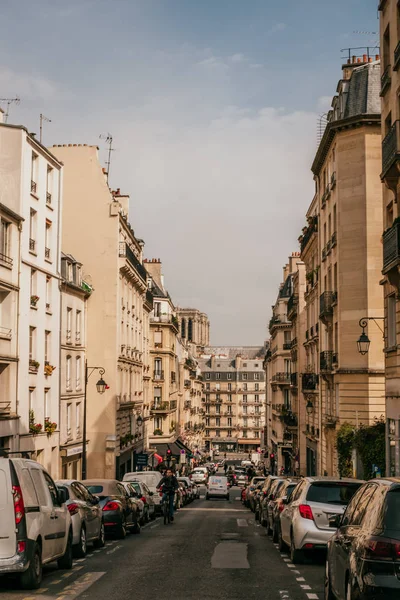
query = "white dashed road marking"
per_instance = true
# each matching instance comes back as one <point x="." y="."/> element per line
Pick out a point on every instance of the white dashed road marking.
<point x="242" y="523"/>
<point x="312" y="596"/>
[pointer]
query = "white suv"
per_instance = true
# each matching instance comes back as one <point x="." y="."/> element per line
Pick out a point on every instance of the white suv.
<point x="35" y="525"/>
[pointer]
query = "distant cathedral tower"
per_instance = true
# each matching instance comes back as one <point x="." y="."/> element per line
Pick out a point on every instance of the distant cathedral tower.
<point x="194" y="328"/>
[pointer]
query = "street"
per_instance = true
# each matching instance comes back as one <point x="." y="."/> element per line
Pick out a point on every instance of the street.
<point x="214" y="549"/>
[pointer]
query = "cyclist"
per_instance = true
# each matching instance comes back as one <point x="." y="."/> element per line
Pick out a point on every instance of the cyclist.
<point x="169" y="484"/>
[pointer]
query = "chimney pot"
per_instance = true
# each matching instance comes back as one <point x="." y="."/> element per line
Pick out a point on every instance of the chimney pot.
<point x="358" y="59"/>
<point x="348" y="61"/>
<point x="364" y="58"/>
<point x="370" y="59"/>
<point x="377" y="56"/>
<point x="353" y="59"/>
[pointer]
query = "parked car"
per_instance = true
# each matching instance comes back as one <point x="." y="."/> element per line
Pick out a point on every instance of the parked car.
<point x="151" y="479"/>
<point x="199" y="475"/>
<point x="241" y="477"/>
<point x="189" y="486"/>
<point x="181" y="496"/>
<point x="267" y="502"/>
<point x="86" y="516"/>
<point x="147" y="497"/>
<point x="282" y="495"/>
<point x="217" y="487"/>
<point x="250" y="488"/>
<point x="305" y="518"/>
<point x="35" y="524"/>
<point x="363" y="559"/>
<point x="263" y="493"/>
<point x="253" y="495"/>
<point x="196" y="489"/>
<point x="119" y="513"/>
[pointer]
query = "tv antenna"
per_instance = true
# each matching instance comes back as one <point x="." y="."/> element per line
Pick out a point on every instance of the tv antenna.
<point x="42" y="118"/>
<point x="322" y="123"/>
<point x="9" y="101"/>
<point x="109" y="140"/>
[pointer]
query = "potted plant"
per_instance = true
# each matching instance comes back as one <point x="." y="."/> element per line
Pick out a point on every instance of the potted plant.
<point x="34" y="300"/>
<point x="34" y="428"/>
<point x="33" y="365"/>
<point x="49" y="426"/>
<point x="157" y="432"/>
<point x="48" y="369"/>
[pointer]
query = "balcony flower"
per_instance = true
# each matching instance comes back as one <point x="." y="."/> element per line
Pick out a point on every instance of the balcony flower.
<point x="49" y="426"/>
<point x="158" y="432"/>
<point x="34" y="300"/>
<point x="48" y="369"/>
<point x="33" y="365"/>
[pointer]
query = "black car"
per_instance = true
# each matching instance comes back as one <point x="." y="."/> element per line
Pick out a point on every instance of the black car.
<point x="281" y="498"/>
<point x="119" y="513"/>
<point x="263" y="493"/>
<point x="363" y="560"/>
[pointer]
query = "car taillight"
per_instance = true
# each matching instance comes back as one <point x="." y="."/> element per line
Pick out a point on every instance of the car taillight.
<point x="382" y="549"/>
<point x="19" y="509"/>
<point x="143" y="499"/>
<point x="111" y="505"/>
<point x="281" y="506"/>
<point x="306" y="512"/>
<point x="161" y="494"/>
<point x="21" y="547"/>
<point x="73" y="508"/>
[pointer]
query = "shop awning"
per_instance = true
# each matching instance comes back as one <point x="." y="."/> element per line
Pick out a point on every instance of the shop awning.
<point x="248" y="441"/>
<point x="161" y="449"/>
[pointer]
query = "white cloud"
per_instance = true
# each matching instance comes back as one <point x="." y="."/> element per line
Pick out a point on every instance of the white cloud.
<point x="238" y="58"/>
<point x="214" y="62"/>
<point x="256" y="66"/>
<point x="23" y="84"/>
<point x="324" y="104"/>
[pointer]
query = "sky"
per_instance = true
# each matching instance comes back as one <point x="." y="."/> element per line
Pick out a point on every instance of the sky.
<point x="213" y="106"/>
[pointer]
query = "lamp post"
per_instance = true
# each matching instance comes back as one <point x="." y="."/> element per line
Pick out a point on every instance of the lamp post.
<point x="101" y="387"/>
<point x="309" y="407"/>
<point x="363" y="342"/>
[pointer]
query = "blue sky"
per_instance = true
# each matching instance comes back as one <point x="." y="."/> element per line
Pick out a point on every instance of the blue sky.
<point x="213" y="107"/>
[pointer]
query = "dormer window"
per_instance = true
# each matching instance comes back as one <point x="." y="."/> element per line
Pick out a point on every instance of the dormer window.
<point x="70" y="272"/>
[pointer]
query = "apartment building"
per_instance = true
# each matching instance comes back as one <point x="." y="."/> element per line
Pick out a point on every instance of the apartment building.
<point x="234" y="399"/>
<point x="346" y="170"/>
<point x="283" y="410"/>
<point x="165" y="351"/>
<point x="309" y="344"/>
<point x="75" y="293"/>
<point x="194" y="328"/>
<point x="96" y="228"/>
<point x="192" y="417"/>
<point x="31" y="186"/>
<point x="390" y="174"/>
<point x="10" y="247"/>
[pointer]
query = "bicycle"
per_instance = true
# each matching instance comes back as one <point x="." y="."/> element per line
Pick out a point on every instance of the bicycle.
<point x="167" y="516"/>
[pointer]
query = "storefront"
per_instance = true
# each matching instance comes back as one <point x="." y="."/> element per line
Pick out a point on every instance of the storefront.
<point x="71" y="461"/>
<point x="248" y="445"/>
<point x="228" y="444"/>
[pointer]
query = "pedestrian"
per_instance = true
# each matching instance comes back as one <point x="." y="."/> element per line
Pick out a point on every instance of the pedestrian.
<point x="225" y="468"/>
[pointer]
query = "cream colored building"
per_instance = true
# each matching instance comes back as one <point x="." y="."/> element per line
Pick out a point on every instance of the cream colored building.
<point x="310" y="461"/>
<point x="30" y="186"/>
<point x="390" y="175"/>
<point x="96" y="229"/>
<point x="234" y="397"/>
<point x="74" y="296"/>
<point x="192" y="417"/>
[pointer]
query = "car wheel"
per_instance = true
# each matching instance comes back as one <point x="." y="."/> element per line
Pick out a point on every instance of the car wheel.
<point x="81" y="548"/>
<point x="101" y="540"/>
<point x="32" y="577"/>
<point x="136" y="528"/>
<point x="122" y="530"/>
<point x="263" y="522"/>
<point x="227" y="497"/>
<point x="281" y="544"/>
<point x="256" y="515"/>
<point x="207" y="497"/>
<point x="296" y="555"/>
<point x="65" y="562"/>
<point x="153" y="515"/>
<point x="275" y="533"/>
<point x="147" y="516"/>
<point x="328" y="595"/>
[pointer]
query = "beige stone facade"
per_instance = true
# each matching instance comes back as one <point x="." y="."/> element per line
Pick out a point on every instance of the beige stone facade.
<point x="390" y="175"/>
<point x="96" y="229"/>
<point x="234" y="398"/>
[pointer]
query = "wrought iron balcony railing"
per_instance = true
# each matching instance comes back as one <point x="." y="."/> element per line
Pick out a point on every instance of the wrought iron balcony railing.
<point x="326" y="360"/>
<point x="391" y="247"/>
<point x="326" y="303"/>
<point x="309" y="381"/>
<point x="386" y="80"/>
<point x="391" y="151"/>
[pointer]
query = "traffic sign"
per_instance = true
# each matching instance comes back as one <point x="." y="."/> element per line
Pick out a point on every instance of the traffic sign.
<point x="142" y="459"/>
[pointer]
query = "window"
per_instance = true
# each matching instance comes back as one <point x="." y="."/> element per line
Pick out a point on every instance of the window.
<point x="229" y="387"/>
<point x="68" y="374"/>
<point x="256" y="398"/>
<point x="69" y="411"/>
<point x="34" y="163"/>
<point x="69" y="325"/>
<point x="157" y="309"/>
<point x="391" y="321"/>
<point x="78" y="419"/>
<point x="218" y="433"/>
<point x="158" y="368"/>
<point x="217" y="386"/>
<point x="207" y="386"/>
<point x="47" y="249"/>
<point x="33" y="280"/>
<point x="32" y="230"/>
<point x="229" y="432"/>
<point x="218" y="409"/>
<point x="47" y="408"/>
<point x="256" y="375"/>
<point x="245" y="387"/>
<point x="78" y="325"/>
<point x="217" y="375"/>
<point x="218" y="422"/>
<point x="229" y="410"/>
<point x="158" y="423"/>
<point x="70" y="272"/>
<point x="244" y="376"/>
<point x="31" y="398"/>
<point x="245" y="410"/>
<point x="78" y="373"/>
<point x="386" y="48"/>
<point x="157" y="396"/>
<point x="245" y="434"/>
<point x="364" y="503"/>
<point x="47" y="346"/>
<point x="4" y="239"/>
<point x="229" y="397"/>
<point x="229" y="376"/>
<point x="49" y="185"/>
<point x="245" y="398"/>
<point x="52" y="489"/>
<point x="208" y="376"/>
<point x="32" y="343"/>
<point x="190" y="330"/>
<point x="183" y="328"/>
<point x="48" y="293"/>
<point x="257" y="387"/>
<point x="158" y="339"/>
<point x="257" y="410"/>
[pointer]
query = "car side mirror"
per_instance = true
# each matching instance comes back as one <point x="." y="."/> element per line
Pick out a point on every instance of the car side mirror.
<point x="334" y="522"/>
<point x="62" y="495"/>
<point x="95" y="500"/>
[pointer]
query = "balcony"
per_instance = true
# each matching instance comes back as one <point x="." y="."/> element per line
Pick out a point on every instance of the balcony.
<point x="165" y="318"/>
<point x="281" y="378"/>
<point x="293" y="343"/>
<point x="326" y="360"/>
<point x="163" y="407"/>
<point x="293" y="379"/>
<point x="334" y="239"/>
<point x="158" y="375"/>
<point x="287" y="345"/>
<point x="333" y="180"/>
<point x="391" y="152"/>
<point x="396" y="61"/>
<point x="48" y="198"/>
<point x="309" y="381"/>
<point x="5" y="333"/>
<point x="126" y="252"/>
<point x="386" y="80"/>
<point x="329" y="421"/>
<point x="308" y="233"/>
<point x="391" y="247"/>
<point x="5" y="260"/>
<point x="327" y="301"/>
<point x="323" y="254"/>
<point x="5" y="408"/>
<point x="290" y="419"/>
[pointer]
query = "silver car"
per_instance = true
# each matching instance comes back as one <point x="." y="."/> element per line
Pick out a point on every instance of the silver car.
<point x="86" y="516"/>
<point x="304" y="522"/>
<point x="151" y="479"/>
<point x="199" y="475"/>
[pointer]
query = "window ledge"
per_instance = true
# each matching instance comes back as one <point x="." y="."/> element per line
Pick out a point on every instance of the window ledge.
<point x="48" y="260"/>
<point x="390" y="349"/>
<point x="48" y="312"/>
<point x="34" y="196"/>
<point x="34" y="307"/>
<point x="33" y="252"/>
<point x="5" y="265"/>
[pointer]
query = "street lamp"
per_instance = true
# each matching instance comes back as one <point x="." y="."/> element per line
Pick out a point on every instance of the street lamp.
<point x="363" y="342"/>
<point x="101" y="387"/>
<point x="309" y="407"/>
<point x="139" y="421"/>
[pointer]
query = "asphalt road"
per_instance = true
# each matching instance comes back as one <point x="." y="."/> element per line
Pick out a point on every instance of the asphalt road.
<point x="214" y="549"/>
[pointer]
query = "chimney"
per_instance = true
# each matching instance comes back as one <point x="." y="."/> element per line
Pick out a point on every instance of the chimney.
<point x="153" y="266"/>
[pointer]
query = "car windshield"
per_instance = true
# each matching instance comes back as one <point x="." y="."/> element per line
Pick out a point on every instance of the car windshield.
<point x="149" y="479"/>
<point x="95" y="489"/>
<point x="392" y="513"/>
<point x="136" y="487"/>
<point x="335" y="492"/>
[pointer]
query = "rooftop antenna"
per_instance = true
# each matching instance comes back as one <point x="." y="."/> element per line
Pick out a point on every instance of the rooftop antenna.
<point x="42" y="118"/>
<point x="9" y="101"/>
<point x="322" y="123"/>
<point x="109" y="140"/>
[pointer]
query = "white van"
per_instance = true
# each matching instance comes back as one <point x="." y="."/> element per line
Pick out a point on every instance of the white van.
<point x="217" y="487"/>
<point x="35" y="525"/>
